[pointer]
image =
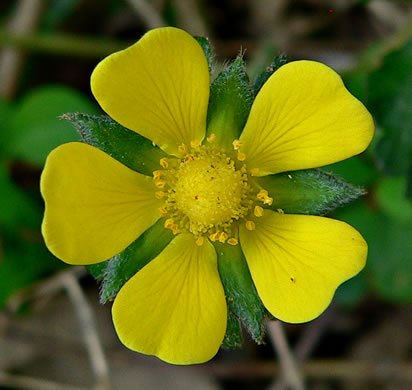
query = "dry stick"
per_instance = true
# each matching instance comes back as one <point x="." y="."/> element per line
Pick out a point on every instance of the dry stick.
<point x="309" y="339"/>
<point x="11" y="59"/>
<point x="88" y="326"/>
<point x="190" y="18"/>
<point x="29" y="383"/>
<point x="150" y="16"/>
<point x="290" y="370"/>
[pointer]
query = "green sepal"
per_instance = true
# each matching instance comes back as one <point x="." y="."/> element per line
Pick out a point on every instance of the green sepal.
<point x="207" y="49"/>
<point x="311" y="191"/>
<point x="98" y="270"/>
<point x="242" y="298"/>
<point x="230" y="100"/>
<point x="273" y="67"/>
<point x="128" y="147"/>
<point x="123" y="266"/>
<point x="233" y="337"/>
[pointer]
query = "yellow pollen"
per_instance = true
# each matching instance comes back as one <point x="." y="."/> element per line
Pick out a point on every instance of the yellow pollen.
<point x="214" y="236"/>
<point x="211" y="138"/>
<point x="164" y="162"/>
<point x="237" y="144"/>
<point x="168" y="223"/>
<point x="175" y="228"/>
<point x="241" y="156"/>
<point x="160" y="194"/>
<point x="162" y="211"/>
<point x="268" y="200"/>
<point x="262" y="194"/>
<point x="157" y="174"/>
<point x="232" y="241"/>
<point x="254" y="171"/>
<point x="200" y="240"/>
<point x="258" y="211"/>
<point x="250" y="225"/>
<point x="280" y="211"/>
<point x="160" y="183"/>
<point x="195" y="144"/>
<point x="223" y="237"/>
<point x="182" y="149"/>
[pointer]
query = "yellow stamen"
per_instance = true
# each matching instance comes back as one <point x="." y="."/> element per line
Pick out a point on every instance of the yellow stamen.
<point x="160" y="183"/>
<point x="250" y="225"/>
<point x="211" y="138"/>
<point x="200" y="240"/>
<point x="195" y="144"/>
<point x="232" y="241"/>
<point x="268" y="200"/>
<point x="169" y="223"/>
<point x="157" y="174"/>
<point x="223" y="237"/>
<point x="237" y="144"/>
<point x="182" y="149"/>
<point x="214" y="236"/>
<point x="258" y="211"/>
<point x="262" y="194"/>
<point x="241" y="156"/>
<point x="164" y="162"/>
<point x="162" y="211"/>
<point x="254" y="171"/>
<point x="175" y="228"/>
<point x="160" y="194"/>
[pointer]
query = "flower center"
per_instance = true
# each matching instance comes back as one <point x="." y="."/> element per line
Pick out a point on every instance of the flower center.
<point x="207" y="193"/>
<point x="209" y="190"/>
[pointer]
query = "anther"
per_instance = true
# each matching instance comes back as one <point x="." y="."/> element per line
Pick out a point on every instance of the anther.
<point x="200" y="241"/>
<point x="241" y="156"/>
<point x="195" y="144"/>
<point x="258" y="211"/>
<point x="237" y="144"/>
<point x="175" y="229"/>
<point x="214" y="236"/>
<point x="157" y="174"/>
<point x="182" y="149"/>
<point x="160" y="183"/>
<point x="223" y="237"/>
<point x="160" y="194"/>
<point x="211" y="138"/>
<point x="164" y="162"/>
<point x="268" y="200"/>
<point x="232" y="241"/>
<point x="169" y="223"/>
<point x="162" y="211"/>
<point x="250" y="225"/>
<point x="254" y="171"/>
<point x="280" y="211"/>
<point x="262" y="194"/>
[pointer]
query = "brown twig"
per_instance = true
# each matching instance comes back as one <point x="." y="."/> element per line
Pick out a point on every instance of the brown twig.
<point x="290" y="370"/>
<point x="88" y="326"/>
<point x="30" y="383"/>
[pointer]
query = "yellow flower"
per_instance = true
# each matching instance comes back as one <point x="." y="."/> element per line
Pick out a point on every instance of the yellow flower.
<point x="175" y="306"/>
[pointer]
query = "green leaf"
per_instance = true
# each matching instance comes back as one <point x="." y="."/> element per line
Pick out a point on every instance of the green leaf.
<point x="240" y="291"/>
<point x="273" y="67"/>
<point x="123" y="266"/>
<point x="6" y="113"/>
<point x="308" y="191"/>
<point x="352" y="291"/>
<point x="230" y="100"/>
<point x="23" y="262"/>
<point x="388" y="268"/>
<point x="390" y="96"/>
<point x="207" y="49"/>
<point x="36" y="129"/>
<point x="17" y="209"/>
<point x="233" y="337"/>
<point x="391" y="197"/>
<point x="390" y="259"/>
<point x="128" y="147"/>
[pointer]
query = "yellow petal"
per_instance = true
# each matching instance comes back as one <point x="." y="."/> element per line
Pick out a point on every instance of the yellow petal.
<point x="298" y="261"/>
<point x="159" y="87"/>
<point x="95" y="206"/>
<point x="303" y="117"/>
<point x="174" y="308"/>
